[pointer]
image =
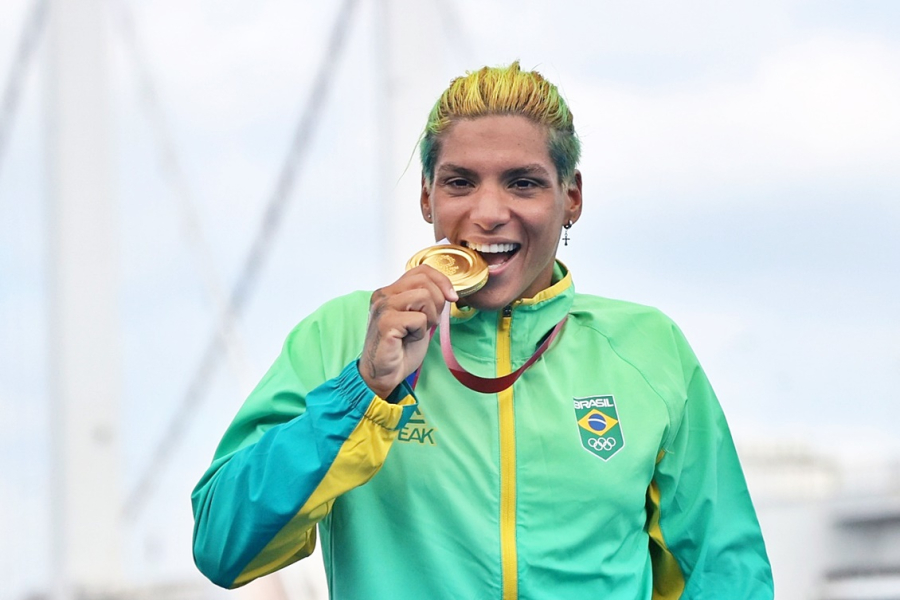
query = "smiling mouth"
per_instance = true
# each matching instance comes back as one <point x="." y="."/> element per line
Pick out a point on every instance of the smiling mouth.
<point x="495" y="255"/>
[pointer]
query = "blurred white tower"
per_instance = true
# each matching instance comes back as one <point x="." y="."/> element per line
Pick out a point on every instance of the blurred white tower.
<point x="411" y="50"/>
<point x="84" y="321"/>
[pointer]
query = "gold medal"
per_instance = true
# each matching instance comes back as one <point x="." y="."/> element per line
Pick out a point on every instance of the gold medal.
<point x="465" y="268"/>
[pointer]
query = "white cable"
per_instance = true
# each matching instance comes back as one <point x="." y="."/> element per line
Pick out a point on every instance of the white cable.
<point x="225" y="321"/>
<point x="28" y="41"/>
<point x="255" y="259"/>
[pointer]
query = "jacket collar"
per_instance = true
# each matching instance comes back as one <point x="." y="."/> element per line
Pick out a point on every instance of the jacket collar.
<point x="532" y="319"/>
<point x="561" y="285"/>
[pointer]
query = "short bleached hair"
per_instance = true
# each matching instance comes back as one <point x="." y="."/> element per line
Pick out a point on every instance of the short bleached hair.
<point x="504" y="91"/>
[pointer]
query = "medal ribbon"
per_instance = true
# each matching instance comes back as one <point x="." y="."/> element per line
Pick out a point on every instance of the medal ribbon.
<point x="486" y="385"/>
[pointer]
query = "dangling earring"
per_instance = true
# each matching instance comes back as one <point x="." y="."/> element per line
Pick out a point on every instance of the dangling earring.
<point x="567" y="227"/>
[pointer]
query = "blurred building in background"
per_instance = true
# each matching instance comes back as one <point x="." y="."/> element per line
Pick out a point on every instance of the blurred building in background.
<point x="832" y="529"/>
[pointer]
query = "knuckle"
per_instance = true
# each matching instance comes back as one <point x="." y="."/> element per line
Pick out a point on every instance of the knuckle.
<point x="375" y="310"/>
<point x="378" y="296"/>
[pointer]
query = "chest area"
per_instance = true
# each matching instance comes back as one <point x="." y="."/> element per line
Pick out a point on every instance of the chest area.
<point x="580" y="420"/>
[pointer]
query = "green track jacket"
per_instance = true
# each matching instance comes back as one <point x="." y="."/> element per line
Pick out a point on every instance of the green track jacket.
<point x="607" y="470"/>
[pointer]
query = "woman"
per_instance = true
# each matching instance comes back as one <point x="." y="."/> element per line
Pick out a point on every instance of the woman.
<point x="605" y="471"/>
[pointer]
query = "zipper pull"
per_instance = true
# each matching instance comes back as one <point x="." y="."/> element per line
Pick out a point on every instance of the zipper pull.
<point x="507" y="311"/>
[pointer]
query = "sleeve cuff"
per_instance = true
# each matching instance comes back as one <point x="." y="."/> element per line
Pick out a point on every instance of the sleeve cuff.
<point x="392" y="412"/>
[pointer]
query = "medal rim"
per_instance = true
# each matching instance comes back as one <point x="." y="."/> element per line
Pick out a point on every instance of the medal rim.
<point x="469" y="281"/>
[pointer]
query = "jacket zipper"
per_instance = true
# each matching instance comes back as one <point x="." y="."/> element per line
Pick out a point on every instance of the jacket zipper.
<point x="509" y="558"/>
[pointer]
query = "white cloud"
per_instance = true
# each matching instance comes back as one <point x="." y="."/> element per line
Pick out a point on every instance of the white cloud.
<point x="234" y="63"/>
<point x="821" y="108"/>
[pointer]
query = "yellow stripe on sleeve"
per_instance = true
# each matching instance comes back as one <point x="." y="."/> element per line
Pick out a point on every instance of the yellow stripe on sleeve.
<point x="668" y="580"/>
<point x="358" y="460"/>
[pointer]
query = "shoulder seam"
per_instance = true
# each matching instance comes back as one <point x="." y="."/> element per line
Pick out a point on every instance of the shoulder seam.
<point x="643" y="376"/>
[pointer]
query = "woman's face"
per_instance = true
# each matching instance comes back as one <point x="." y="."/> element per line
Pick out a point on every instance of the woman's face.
<point x="497" y="191"/>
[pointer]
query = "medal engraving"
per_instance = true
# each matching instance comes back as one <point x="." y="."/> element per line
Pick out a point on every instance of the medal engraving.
<point x="443" y="263"/>
<point x="466" y="269"/>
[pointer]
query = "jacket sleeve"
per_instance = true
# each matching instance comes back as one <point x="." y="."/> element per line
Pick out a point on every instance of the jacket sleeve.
<point x="705" y="538"/>
<point x="285" y="458"/>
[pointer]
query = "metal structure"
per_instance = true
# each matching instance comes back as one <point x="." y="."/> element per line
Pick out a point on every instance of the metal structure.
<point x="85" y="349"/>
<point x="406" y="48"/>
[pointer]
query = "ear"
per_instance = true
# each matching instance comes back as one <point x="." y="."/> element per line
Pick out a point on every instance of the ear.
<point x="425" y="202"/>
<point x="573" y="193"/>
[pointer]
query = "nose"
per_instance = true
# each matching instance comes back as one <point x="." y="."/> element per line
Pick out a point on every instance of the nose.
<point x="490" y="209"/>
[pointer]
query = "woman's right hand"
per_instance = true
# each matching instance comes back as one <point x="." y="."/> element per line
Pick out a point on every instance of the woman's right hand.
<point x="400" y="317"/>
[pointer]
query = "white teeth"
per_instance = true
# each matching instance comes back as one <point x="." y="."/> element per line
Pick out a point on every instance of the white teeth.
<point x="492" y="248"/>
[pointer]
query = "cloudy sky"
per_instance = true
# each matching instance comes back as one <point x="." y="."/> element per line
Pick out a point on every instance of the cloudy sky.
<point x="741" y="167"/>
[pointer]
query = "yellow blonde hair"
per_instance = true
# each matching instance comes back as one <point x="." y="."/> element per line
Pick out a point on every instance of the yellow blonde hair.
<point x="504" y="91"/>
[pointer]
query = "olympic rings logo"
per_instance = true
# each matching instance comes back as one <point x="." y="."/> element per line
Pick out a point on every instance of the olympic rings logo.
<point x="602" y="444"/>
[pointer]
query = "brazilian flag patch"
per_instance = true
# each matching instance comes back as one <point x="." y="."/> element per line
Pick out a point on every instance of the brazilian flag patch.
<point x="599" y="426"/>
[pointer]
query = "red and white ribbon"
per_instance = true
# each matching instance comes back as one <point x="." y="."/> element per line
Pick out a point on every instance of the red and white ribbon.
<point x="487" y="385"/>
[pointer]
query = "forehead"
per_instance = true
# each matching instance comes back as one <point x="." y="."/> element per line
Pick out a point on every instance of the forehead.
<point x="495" y="141"/>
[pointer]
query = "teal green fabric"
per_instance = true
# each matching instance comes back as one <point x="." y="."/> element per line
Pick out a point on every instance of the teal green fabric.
<point x="258" y="481"/>
<point x="427" y="524"/>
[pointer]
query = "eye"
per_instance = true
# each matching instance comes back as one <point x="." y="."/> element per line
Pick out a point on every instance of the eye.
<point x="457" y="184"/>
<point x="526" y="185"/>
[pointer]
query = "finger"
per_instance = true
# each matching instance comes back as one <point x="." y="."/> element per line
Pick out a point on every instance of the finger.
<point x="394" y="348"/>
<point x="419" y="300"/>
<point x="448" y="293"/>
<point x="428" y="280"/>
<point x="418" y="277"/>
<point x="412" y="325"/>
<point x="437" y="283"/>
